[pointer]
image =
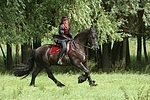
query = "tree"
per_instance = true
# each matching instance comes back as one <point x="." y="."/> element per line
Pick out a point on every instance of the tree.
<point x="11" y="19"/>
<point x="31" y="21"/>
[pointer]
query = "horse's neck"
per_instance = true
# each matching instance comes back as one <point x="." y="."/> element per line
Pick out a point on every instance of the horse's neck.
<point x="79" y="48"/>
<point x="81" y="40"/>
<point x="80" y="44"/>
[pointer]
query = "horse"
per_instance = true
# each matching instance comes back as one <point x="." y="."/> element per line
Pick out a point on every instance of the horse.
<point x="47" y="55"/>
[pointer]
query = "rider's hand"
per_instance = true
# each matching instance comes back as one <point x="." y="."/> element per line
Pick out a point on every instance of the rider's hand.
<point x="72" y="38"/>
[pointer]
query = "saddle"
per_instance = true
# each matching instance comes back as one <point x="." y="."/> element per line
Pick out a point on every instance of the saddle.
<point x="56" y="48"/>
<point x="58" y="39"/>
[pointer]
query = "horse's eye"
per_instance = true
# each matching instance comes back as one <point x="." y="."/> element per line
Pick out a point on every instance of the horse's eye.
<point x="93" y="36"/>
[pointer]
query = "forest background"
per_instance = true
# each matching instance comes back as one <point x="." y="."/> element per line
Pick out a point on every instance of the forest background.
<point x="123" y="28"/>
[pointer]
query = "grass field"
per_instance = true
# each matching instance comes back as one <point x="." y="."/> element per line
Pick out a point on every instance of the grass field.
<point x="110" y="87"/>
<point x="113" y="86"/>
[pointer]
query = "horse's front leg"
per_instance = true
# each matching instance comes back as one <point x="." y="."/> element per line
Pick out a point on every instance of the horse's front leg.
<point x="85" y="76"/>
<point x="91" y="82"/>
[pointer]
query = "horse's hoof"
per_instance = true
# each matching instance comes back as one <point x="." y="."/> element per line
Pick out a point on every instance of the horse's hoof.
<point x="32" y="85"/>
<point x="93" y="83"/>
<point x="81" y="79"/>
<point x="59" y="84"/>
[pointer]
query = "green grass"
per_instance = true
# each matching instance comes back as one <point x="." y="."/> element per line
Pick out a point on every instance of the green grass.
<point x="113" y="86"/>
<point x="110" y="87"/>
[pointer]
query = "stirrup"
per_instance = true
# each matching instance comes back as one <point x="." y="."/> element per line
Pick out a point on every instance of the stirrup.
<point x="60" y="61"/>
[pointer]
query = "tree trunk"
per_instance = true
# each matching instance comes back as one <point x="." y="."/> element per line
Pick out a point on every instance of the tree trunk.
<point x="144" y="47"/>
<point x="96" y="56"/>
<point x="36" y="43"/>
<point x="4" y="57"/>
<point x="144" y="41"/>
<point x="124" y="53"/>
<point x="9" y="57"/>
<point x="17" y="54"/>
<point x="139" y="48"/>
<point x="106" y="63"/>
<point x="116" y="52"/>
<point x="99" y="58"/>
<point x="25" y="52"/>
<point x="139" y="37"/>
<point x="128" y="53"/>
<point x="91" y="54"/>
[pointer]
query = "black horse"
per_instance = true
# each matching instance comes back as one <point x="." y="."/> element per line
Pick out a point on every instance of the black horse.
<point x="47" y="55"/>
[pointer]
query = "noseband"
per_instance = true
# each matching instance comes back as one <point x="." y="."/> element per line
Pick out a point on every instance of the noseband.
<point x="93" y="43"/>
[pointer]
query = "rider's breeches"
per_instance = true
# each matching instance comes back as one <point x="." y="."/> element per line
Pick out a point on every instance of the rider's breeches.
<point x="63" y="47"/>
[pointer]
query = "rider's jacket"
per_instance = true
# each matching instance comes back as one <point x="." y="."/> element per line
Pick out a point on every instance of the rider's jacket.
<point x="64" y="34"/>
<point x="64" y="31"/>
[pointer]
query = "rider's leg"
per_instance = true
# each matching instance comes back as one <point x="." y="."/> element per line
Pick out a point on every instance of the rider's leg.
<point x="64" y="47"/>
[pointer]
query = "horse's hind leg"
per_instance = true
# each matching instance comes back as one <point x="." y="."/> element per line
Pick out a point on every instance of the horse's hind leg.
<point x="34" y="74"/>
<point x="51" y="76"/>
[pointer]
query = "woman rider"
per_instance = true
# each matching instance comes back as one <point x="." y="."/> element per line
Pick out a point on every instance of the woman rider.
<point x="64" y="32"/>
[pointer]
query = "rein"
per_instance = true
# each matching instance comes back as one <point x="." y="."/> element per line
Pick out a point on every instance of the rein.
<point x="90" y="47"/>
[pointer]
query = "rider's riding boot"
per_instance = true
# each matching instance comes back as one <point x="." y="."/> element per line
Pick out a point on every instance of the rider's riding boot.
<point x="60" y="58"/>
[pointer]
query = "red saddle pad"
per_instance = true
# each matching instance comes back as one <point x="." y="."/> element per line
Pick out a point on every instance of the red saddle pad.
<point x="54" y="49"/>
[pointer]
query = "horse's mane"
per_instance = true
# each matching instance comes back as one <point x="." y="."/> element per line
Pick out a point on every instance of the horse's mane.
<point x="86" y="31"/>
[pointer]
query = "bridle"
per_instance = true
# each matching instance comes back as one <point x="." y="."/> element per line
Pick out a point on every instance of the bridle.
<point x="93" y="42"/>
<point x="89" y="47"/>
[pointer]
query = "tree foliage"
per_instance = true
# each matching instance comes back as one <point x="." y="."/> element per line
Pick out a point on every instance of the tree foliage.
<point x="146" y="17"/>
<point x="11" y="21"/>
<point x="23" y="20"/>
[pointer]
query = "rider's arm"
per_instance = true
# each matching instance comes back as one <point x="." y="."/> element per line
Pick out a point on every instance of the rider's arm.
<point x="70" y="34"/>
<point x="61" y="31"/>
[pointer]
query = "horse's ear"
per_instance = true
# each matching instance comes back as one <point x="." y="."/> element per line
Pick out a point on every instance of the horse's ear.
<point x="90" y="28"/>
<point x="93" y="30"/>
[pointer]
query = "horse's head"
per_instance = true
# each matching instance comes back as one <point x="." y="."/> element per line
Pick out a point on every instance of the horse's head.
<point x="87" y="36"/>
<point x="93" y="39"/>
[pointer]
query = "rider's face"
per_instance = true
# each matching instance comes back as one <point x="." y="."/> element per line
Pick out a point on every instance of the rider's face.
<point x="65" y="21"/>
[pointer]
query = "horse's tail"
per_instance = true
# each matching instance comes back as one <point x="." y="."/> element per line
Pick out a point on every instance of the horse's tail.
<point x="25" y="69"/>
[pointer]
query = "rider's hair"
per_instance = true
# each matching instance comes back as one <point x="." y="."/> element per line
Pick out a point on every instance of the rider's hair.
<point x="64" y="18"/>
